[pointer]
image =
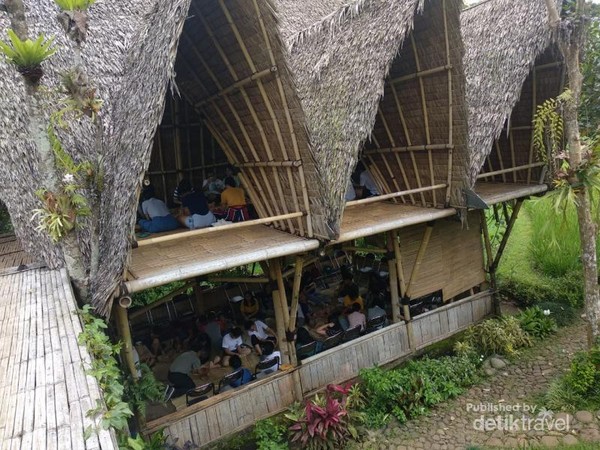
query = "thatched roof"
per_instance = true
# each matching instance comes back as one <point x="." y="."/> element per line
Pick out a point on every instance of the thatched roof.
<point x="128" y="56"/>
<point x="341" y="64"/>
<point x="502" y="40"/>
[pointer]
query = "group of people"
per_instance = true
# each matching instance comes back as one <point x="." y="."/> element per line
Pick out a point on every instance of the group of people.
<point x="218" y="342"/>
<point x="197" y="208"/>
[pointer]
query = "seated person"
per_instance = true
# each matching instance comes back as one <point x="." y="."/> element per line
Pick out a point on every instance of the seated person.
<point x="230" y="171"/>
<point x="184" y="365"/>
<point x="250" y="307"/>
<point x="346" y="284"/>
<point x="269" y="353"/>
<point x="350" y="192"/>
<point x="195" y="212"/>
<point x="353" y="297"/>
<point x="157" y="216"/>
<point x="234" y="199"/>
<point x="357" y="318"/>
<point x="304" y="337"/>
<point x="213" y="329"/>
<point x="331" y="328"/>
<point x="184" y="185"/>
<point x="232" y="345"/>
<point x="376" y="310"/>
<point x="260" y="334"/>
<point x="212" y="184"/>
<point x="236" y="363"/>
<point x="367" y="183"/>
<point x="308" y="287"/>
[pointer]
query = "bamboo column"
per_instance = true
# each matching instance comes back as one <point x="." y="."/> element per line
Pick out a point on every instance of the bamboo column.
<point x="509" y="228"/>
<point x="489" y="260"/>
<point x="395" y="294"/>
<point x="125" y="334"/>
<point x="279" y="307"/>
<point x="420" y="255"/>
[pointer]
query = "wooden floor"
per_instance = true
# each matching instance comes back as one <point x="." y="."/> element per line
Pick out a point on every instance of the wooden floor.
<point x="367" y="220"/>
<point x="493" y="193"/>
<point x="11" y="254"/>
<point x="44" y="391"/>
<point x="187" y="257"/>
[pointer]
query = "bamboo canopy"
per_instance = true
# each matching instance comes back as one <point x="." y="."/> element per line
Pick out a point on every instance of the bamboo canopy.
<point x="511" y="66"/>
<point x="386" y="76"/>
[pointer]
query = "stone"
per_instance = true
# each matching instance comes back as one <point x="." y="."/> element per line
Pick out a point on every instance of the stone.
<point x="584" y="416"/>
<point x="494" y="442"/>
<point x="497" y="363"/>
<point x="549" y="441"/>
<point x="563" y="416"/>
<point x="569" y="439"/>
<point x="489" y="372"/>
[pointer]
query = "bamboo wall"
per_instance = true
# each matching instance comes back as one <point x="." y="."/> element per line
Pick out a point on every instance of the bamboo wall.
<point x="419" y="137"/>
<point x="453" y="260"/>
<point x="514" y="148"/>
<point x="235" y="410"/>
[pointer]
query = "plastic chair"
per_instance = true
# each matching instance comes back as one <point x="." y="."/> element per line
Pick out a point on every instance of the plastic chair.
<point x="267" y="366"/>
<point x="199" y="393"/>
<point x="376" y="323"/>
<point x="351" y="333"/>
<point x="306" y="350"/>
<point x="332" y="341"/>
<point x="228" y="379"/>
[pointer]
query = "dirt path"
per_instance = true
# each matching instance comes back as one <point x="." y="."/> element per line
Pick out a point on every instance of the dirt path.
<point x="458" y="424"/>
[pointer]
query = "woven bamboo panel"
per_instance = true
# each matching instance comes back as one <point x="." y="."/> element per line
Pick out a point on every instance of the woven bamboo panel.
<point x="344" y="362"/>
<point x="208" y="253"/>
<point x="443" y="322"/>
<point x="366" y="220"/>
<point x="230" y="412"/>
<point x="44" y="391"/>
<point x="11" y="254"/>
<point x="493" y="193"/>
<point x="453" y="260"/>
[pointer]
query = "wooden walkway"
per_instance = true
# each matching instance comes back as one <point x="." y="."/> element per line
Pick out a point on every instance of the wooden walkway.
<point x="44" y="391"/>
<point x="11" y="253"/>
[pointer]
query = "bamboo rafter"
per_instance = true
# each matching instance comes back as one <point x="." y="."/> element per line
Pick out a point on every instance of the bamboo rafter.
<point x="381" y="198"/>
<point x="296" y="163"/>
<point x="237" y="85"/>
<point x="384" y="157"/>
<point x="422" y="73"/>
<point x="510" y="170"/>
<point x="412" y="148"/>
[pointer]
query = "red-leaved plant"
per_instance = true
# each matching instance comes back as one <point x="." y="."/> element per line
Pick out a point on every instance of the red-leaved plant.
<point x="324" y="422"/>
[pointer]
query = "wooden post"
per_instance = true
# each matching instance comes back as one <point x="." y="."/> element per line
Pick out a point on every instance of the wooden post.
<point x="509" y="228"/>
<point x="391" y="236"/>
<point x="125" y="334"/>
<point x="296" y="292"/>
<point x="280" y="327"/>
<point x="489" y="260"/>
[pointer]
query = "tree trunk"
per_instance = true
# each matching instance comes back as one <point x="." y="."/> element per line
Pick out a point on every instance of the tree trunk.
<point x="587" y="234"/>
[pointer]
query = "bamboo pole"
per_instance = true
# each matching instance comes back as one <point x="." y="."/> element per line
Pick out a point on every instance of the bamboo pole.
<point x="380" y="251"/>
<point x="252" y="280"/>
<point x="125" y="334"/>
<point x="511" y="143"/>
<point x="489" y="260"/>
<point x="422" y="89"/>
<point x="393" y="277"/>
<point x="509" y="228"/>
<point x="420" y="255"/>
<point x="288" y="118"/>
<point x="377" y="176"/>
<point x="380" y="198"/>
<point x="176" y="139"/>
<point x="162" y="165"/>
<point x="280" y="307"/>
<point x="400" y="273"/>
<point x="162" y="301"/>
<point x="412" y="148"/>
<point x="237" y="85"/>
<point x="276" y="267"/>
<point x="510" y="169"/>
<point x="188" y="169"/>
<point x="422" y="73"/>
<point x="188" y="141"/>
<point x="187" y="234"/>
<point x="383" y="156"/>
<point x="499" y="154"/>
<point x="533" y="106"/>
<point x="296" y="292"/>
<point x="280" y="327"/>
<point x="450" y="110"/>
<point x="297" y="163"/>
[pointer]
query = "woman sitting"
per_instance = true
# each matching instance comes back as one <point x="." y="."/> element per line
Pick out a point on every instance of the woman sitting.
<point x="195" y="211"/>
<point x="352" y="297"/>
<point x="158" y="218"/>
<point x="234" y="200"/>
<point x="250" y="307"/>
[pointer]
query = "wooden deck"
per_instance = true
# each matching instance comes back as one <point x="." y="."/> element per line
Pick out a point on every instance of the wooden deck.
<point x="493" y="193"/>
<point x="11" y="253"/>
<point x="367" y="220"/>
<point x="44" y="391"/>
<point x="188" y="257"/>
<point x="236" y="410"/>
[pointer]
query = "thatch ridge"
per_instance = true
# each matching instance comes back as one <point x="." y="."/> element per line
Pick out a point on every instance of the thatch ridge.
<point x="502" y="40"/>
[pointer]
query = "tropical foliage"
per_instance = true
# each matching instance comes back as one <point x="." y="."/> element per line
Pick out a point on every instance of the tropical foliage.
<point x="27" y="54"/>
<point x="74" y="5"/>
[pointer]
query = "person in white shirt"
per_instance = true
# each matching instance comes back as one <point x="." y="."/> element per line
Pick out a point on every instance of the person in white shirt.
<point x="368" y="184"/>
<point x="259" y="334"/>
<point x="269" y="353"/>
<point x="350" y="192"/>
<point x="232" y="345"/>
<point x="158" y="218"/>
<point x="357" y="318"/>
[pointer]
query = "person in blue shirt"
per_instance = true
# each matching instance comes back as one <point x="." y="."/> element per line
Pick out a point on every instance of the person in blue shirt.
<point x="236" y="364"/>
<point x="195" y="211"/>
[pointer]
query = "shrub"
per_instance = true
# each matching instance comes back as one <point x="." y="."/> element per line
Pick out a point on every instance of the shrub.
<point x="536" y="323"/>
<point x="270" y="435"/>
<point x="498" y="336"/>
<point x="409" y="391"/>
<point x="566" y="290"/>
<point x="562" y="314"/>
<point x="324" y="422"/>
